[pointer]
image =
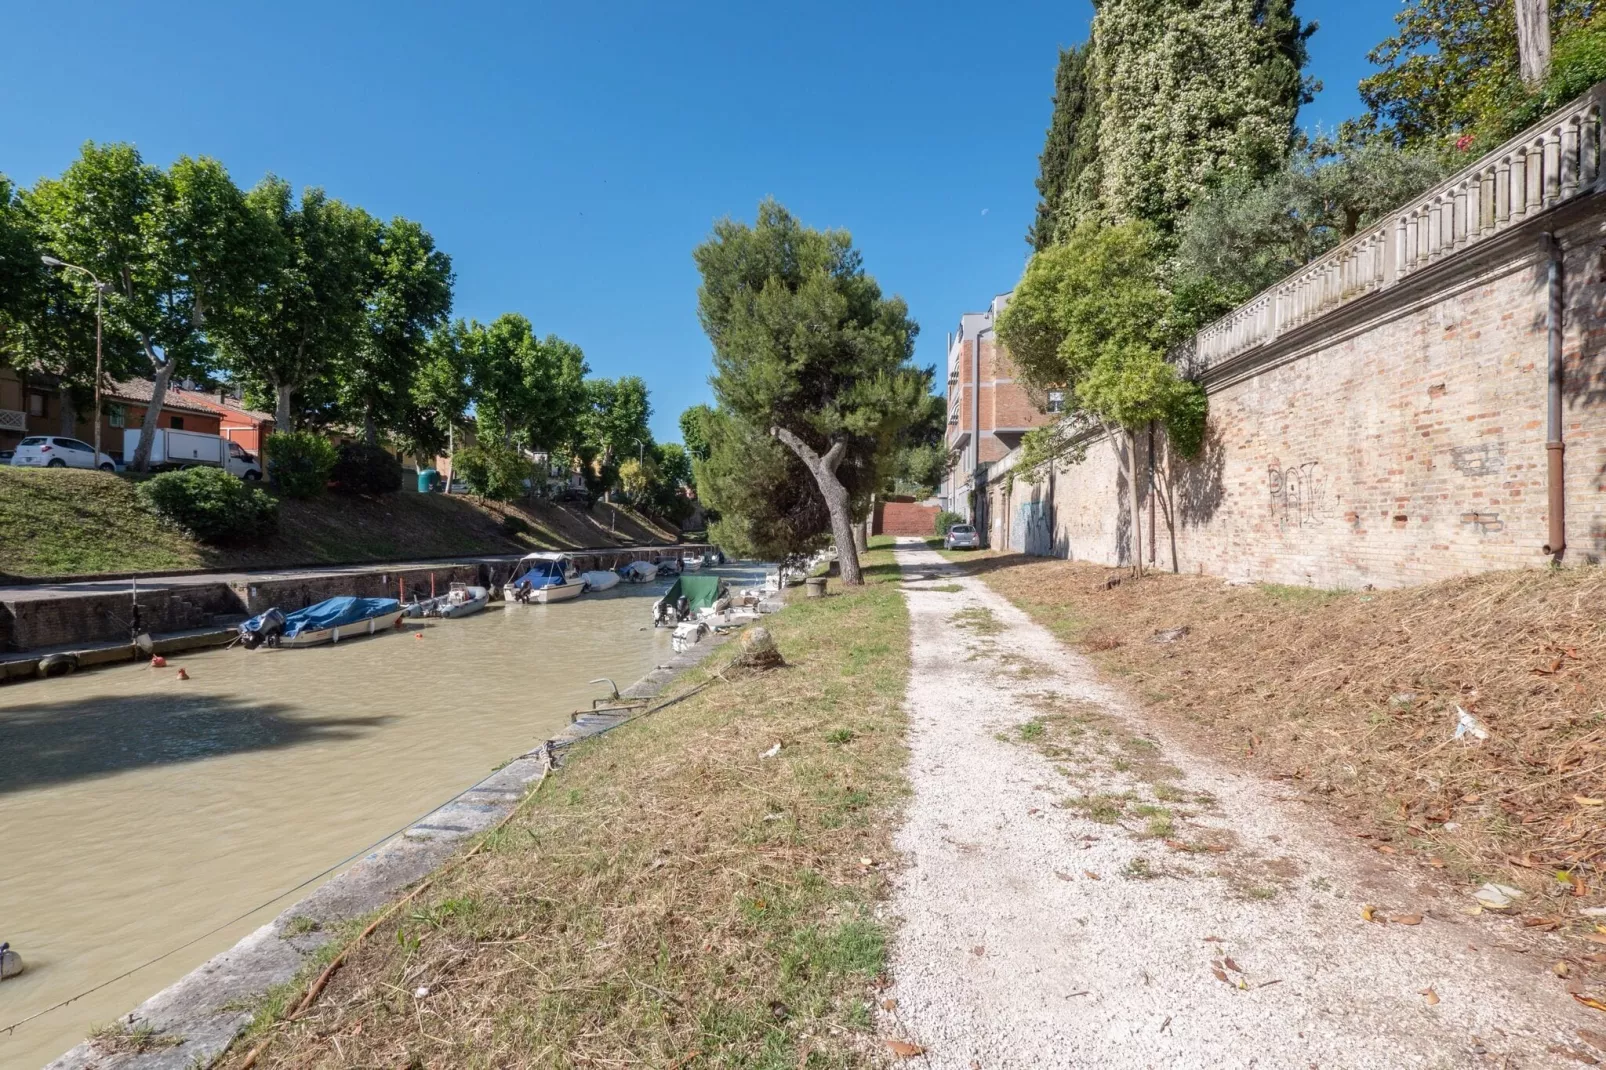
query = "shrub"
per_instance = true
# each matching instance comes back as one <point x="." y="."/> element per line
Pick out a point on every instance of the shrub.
<point x="211" y="505"/>
<point x="946" y="520"/>
<point x="514" y="525"/>
<point x="299" y="463"/>
<point x="493" y="470"/>
<point x="363" y="469"/>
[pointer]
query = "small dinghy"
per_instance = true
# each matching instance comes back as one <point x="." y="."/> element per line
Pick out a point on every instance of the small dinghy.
<point x="639" y="572"/>
<point x="543" y="578"/>
<point x="668" y="566"/>
<point x="691" y="563"/>
<point x="329" y="621"/>
<point x="459" y="601"/>
<point x="599" y="579"/>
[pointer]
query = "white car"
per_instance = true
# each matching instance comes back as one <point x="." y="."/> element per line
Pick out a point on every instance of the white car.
<point x="52" y="451"/>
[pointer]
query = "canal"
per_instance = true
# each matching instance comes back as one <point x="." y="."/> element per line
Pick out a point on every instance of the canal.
<point x="139" y="811"/>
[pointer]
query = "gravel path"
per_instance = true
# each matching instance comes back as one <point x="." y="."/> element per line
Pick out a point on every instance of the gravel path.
<point x="1072" y="898"/>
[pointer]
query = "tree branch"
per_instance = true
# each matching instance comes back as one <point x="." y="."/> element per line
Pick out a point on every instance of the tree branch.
<point x="828" y="463"/>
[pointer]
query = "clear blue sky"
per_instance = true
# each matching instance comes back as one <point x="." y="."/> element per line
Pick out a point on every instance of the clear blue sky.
<point x="570" y="156"/>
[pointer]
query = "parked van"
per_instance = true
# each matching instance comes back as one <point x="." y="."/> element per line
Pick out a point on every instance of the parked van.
<point x="184" y="449"/>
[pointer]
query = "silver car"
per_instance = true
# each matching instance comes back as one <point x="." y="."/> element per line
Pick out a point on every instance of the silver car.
<point x="962" y="537"/>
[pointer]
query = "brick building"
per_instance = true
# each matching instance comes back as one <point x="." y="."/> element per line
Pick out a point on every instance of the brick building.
<point x="988" y="410"/>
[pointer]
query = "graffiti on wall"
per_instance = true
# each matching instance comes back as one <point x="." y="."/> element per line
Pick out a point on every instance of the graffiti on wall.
<point x="1030" y="534"/>
<point x="1299" y="495"/>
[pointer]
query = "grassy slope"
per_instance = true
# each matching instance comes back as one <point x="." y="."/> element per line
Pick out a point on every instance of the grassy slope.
<point x="71" y="522"/>
<point x="670" y="897"/>
<point x="1351" y="697"/>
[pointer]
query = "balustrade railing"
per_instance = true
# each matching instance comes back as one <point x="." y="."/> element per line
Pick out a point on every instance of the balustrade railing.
<point x="1551" y="162"/>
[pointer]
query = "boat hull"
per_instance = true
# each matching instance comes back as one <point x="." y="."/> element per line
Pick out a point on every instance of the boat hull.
<point x="382" y="623"/>
<point x="558" y="592"/>
<point x="600" y="580"/>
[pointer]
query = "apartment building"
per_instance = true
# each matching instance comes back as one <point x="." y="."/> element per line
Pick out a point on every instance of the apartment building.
<point x="988" y="410"/>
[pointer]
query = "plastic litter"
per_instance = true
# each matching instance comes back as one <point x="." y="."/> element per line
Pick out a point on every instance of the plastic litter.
<point x="773" y="751"/>
<point x="1468" y="725"/>
<point x="1498" y="898"/>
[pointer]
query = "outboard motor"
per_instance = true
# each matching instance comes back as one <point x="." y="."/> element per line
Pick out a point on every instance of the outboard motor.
<point x="682" y="608"/>
<point x="264" y="628"/>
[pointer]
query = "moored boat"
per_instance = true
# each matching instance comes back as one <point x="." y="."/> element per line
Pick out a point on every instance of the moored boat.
<point x="543" y="578"/>
<point x="690" y="597"/>
<point x="461" y="600"/>
<point x="600" y="579"/>
<point x="638" y="572"/>
<point x="329" y="621"/>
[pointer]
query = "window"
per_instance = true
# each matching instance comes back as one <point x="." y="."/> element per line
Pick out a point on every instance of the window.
<point x="1056" y="401"/>
<point x="74" y="444"/>
<point x="36" y="404"/>
<point x="116" y="416"/>
<point x="175" y="423"/>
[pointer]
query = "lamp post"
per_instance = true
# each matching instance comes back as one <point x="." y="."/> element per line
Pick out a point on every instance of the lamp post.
<point x="100" y="291"/>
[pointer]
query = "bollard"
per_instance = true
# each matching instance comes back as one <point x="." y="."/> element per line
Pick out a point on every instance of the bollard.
<point x="816" y="586"/>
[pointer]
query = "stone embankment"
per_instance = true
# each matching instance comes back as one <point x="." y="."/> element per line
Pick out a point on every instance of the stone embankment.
<point x="93" y="619"/>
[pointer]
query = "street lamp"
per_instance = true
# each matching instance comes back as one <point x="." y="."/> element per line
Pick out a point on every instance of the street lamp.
<point x="100" y="290"/>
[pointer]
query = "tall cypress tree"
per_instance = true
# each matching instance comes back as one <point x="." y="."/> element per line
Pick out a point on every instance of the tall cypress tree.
<point x="1075" y="117"/>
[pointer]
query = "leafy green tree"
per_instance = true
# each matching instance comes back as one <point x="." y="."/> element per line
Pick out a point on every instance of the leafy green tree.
<point x="409" y="295"/>
<point x="528" y="392"/>
<point x="694" y="430"/>
<point x="1070" y="147"/>
<point x="922" y="456"/>
<point x="1452" y="75"/>
<point x="616" y="417"/>
<point x="1240" y="236"/>
<point x="439" y="394"/>
<point x="306" y="314"/>
<point x="808" y="348"/>
<point x="1092" y="316"/>
<point x="178" y="248"/>
<point x="1188" y="90"/>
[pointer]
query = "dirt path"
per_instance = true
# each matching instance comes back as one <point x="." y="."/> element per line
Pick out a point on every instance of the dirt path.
<point x="1079" y="892"/>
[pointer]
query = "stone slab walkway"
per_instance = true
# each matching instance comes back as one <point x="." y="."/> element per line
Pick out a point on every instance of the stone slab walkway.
<point x="1079" y="891"/>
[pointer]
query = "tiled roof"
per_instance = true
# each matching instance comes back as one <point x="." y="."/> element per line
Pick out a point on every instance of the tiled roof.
<point x="227" y="408"/>
<point x="138" y="391"/>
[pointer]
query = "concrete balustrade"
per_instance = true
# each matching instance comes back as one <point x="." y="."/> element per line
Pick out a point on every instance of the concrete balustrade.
<point x="1550" y="163"/>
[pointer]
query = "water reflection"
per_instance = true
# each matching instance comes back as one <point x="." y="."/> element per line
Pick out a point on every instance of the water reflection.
<point x="138" y="811"/>
<point x="47" y="742"/>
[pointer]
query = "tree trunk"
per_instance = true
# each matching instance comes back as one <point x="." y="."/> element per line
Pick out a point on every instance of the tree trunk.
<point x="370" y="430"/>
<point x="861" y="533"/>
<point x="282" y="418"/>
<point x="147" y="432"/>
<point x="1137" y="500"/>
<point x="1533" y="41"/>
<point x="69" y="417"/>
<point x="836" y="499"/>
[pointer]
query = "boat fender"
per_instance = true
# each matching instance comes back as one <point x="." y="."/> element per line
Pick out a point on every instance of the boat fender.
<point x="57" y="665"/>
<point x="158" y="662"/>
<point x="183" y="675"/>
<point x="418" y="635"/>
<point x="10" y="962"/>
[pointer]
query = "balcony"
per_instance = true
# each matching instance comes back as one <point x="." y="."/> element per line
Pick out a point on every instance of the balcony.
<point x="1550" y="163"/>
<point x="13" y="420"/>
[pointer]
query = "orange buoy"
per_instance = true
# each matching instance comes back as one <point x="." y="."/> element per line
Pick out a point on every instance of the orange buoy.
<point x="418" y="635"/>
<point x="158" y="662"/>
<point x="182" y="675"/>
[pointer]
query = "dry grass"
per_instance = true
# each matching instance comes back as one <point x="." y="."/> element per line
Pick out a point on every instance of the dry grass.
<point x="670" y="897"/>
<point x="1352" y="698"/>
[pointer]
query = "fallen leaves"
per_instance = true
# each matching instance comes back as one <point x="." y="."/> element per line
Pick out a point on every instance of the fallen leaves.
<point x="1589" y="1001"/>
<point x="905" y="1050"/>
<point x="1430" y="996"/>
<point x="1407" y="919"/>
<point x="978" y="951"/>
<point x="1592" y="1038"/>
<point x="1063" y="876"/>
<point x="1090" y="875"/>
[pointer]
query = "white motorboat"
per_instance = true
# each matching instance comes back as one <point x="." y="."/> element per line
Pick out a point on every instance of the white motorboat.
<point x="600" y="579"/>
<point x="543" y="578"/>
<point x="329" y="621"/>
<point x="691" y="563"/>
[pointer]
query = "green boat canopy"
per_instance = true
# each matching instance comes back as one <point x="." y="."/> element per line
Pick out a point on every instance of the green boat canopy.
<point x="700" y="591"/>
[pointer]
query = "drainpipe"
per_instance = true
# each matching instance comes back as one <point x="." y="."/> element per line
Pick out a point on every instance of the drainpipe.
<point x="975" y="421"/>
<point x="1554" y="446"/>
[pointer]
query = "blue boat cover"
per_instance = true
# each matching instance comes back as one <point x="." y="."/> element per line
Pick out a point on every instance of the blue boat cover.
<point x="541" y="574"/>
<point x="330" y="613"/>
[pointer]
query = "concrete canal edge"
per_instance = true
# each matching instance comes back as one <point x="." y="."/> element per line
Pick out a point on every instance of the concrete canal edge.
<point x="206" y="1009"/>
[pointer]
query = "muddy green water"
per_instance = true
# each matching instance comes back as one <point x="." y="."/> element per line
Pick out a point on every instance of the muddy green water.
<point x="138" y="811"/>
